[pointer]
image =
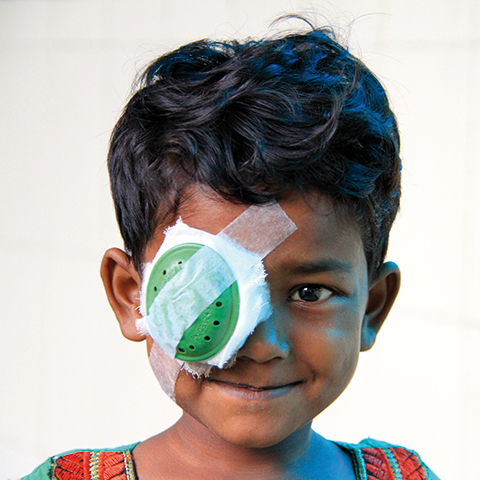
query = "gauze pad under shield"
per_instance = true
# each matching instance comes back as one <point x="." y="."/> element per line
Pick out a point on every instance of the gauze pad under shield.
<point x="204" y="294"/>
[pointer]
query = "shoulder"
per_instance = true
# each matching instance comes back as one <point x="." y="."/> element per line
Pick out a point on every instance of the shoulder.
<point x="375" y="459"/>
<point x="88" y="464"/>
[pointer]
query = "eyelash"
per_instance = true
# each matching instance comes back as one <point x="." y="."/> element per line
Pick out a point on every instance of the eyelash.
<point x="324" y="292"/>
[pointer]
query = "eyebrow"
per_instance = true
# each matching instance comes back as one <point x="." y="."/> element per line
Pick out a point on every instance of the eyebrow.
<point x="327" y="265"/>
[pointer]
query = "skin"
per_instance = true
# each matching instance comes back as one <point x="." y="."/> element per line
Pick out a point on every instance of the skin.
<point x="254" y="420"/>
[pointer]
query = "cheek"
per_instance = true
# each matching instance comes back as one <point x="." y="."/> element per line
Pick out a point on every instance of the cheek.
<point x="330" y="355"/>
<point x="187" y="389"/>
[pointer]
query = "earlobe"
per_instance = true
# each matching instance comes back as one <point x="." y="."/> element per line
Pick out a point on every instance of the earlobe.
<point x="122" y="285"/>
<point x="382" y="294"/>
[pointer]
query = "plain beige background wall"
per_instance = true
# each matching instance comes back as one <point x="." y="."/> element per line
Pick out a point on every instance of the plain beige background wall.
<point x="68" y="378"/>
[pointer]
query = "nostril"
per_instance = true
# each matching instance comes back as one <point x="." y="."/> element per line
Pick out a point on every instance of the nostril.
<point x="267" y="342"/>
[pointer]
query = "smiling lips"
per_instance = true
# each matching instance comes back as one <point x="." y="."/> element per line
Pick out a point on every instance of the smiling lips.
<point x="256" y="389"/>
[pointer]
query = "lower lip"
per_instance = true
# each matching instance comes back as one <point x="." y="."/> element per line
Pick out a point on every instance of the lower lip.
<point x="245" y="393"/>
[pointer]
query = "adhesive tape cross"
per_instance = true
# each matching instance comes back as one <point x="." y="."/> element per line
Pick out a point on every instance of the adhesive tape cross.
<point x="203" y="294"/>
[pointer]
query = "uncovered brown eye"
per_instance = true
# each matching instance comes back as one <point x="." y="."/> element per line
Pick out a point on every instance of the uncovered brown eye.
<point x="311" y="293"/>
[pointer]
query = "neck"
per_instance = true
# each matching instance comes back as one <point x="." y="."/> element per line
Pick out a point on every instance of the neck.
<point x="192" y="447"/>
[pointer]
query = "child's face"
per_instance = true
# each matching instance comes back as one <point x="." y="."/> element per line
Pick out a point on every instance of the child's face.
<point x="299" y="361"/>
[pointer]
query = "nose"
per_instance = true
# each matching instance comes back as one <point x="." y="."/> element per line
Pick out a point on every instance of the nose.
<point x="268" y="341"/>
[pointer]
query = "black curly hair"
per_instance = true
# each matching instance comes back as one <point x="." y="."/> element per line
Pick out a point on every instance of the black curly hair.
<point x="253" y="120"/>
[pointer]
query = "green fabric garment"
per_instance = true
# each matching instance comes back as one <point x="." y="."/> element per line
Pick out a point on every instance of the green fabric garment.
<point x="361" y="454"/>
<point x="42" y="472"/>
<point x="45" y="470"/>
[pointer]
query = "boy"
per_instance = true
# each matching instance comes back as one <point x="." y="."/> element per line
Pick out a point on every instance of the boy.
<point x="255" y="185"/>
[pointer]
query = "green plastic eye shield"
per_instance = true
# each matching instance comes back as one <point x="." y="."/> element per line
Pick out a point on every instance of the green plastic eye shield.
<point x="212" y="329"/>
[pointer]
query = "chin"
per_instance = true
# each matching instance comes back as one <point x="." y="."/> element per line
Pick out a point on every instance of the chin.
<point x="255" y="433"/>
<point x="254" y="438"/>
<point x="243" y="418"/>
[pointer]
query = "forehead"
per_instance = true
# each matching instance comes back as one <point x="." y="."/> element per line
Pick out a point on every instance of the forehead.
<point x="325" y="232"/>
<point x="327" y="239"/>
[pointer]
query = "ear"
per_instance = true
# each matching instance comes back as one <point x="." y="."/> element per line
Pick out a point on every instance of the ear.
<point x="122" y="284"/>
<point x="382" y="294"/>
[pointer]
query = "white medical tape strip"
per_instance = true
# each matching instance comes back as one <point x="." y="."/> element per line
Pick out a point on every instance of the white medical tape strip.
<point x="260" y="229"/>
<point x="166" y="370"/>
